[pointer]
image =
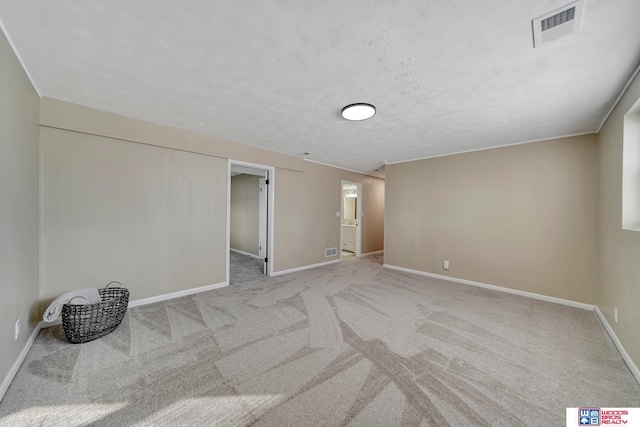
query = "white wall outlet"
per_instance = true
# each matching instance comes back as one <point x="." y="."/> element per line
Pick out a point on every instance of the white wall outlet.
<point x="615" y="314"/>
<point x="337" y="214"/>
<point x="17" y="329"/>
<point x="445" y="264"/>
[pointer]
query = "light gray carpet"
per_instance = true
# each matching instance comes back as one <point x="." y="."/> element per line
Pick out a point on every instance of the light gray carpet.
<point x="243" y="268"/>
<point x="347" y="344"/>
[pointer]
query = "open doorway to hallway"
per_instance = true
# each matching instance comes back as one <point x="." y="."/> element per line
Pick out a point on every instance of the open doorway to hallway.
<point x="249" y="221"/>
<point x="350" y="226"/>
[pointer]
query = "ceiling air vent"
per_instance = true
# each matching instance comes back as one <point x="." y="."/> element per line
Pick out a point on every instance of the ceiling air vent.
<point x="558" y="23"/>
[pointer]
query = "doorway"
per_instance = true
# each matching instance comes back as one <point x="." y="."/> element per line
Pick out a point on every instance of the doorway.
<point x="250" y="189"/>
<point x="351" y="218"/>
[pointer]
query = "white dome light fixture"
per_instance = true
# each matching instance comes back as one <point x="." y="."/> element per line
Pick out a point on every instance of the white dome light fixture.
<point x="359" y="111"/>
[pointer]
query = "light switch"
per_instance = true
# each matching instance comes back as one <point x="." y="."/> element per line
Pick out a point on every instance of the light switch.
<point x="337" y="214"/>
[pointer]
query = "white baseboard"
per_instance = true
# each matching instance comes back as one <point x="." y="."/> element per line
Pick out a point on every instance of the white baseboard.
<point x="373" y="253"/>
<point x="625" y="356"/>
<point x="172" y="295"/>
<point x="238" y="251"/>
<point x="304" y="267"/>
<point x="14" y="369"/>
<point x="562" y="301"/>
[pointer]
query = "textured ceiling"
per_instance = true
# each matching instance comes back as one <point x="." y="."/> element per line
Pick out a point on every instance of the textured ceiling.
<point x="446" y="76"/>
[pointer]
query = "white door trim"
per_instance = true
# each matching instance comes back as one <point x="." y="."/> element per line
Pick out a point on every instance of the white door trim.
<point x="270" y="204"/>
<point x="262" y="217"/>
<point x="359" y="221"/>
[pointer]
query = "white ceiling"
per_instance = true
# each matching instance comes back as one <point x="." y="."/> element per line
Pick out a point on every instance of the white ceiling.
<point x="446" y="76"/>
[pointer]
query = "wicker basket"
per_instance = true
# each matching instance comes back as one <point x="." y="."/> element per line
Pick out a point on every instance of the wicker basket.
<point x="83" y="323"/>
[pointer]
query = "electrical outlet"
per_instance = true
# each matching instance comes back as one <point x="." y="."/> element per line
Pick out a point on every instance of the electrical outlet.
<point x="615" y="314"/>
<point x="445" y="265"/>
<point x="17" y="329"/>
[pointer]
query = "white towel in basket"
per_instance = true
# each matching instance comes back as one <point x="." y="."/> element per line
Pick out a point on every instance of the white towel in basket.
<point x="89" y="296"/>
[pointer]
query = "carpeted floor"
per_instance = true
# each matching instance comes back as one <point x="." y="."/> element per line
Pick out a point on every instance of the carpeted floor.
<point x="346" y="344"/>
<point x="243" y="268"/>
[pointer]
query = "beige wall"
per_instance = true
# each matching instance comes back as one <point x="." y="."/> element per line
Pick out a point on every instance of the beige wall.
<point x="245" y="209"/>
<point x="522" y="217"/>
<point x="19" y="207"/>
<point x="618" y="249"/>
<point x="150" y="217"/>
<point x="305" y="214"/>
<point x="63" y="115"/>
<point x="307" y="195"/>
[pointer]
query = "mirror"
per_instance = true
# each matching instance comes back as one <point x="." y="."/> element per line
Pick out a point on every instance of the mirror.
<point x="350" y="206"/>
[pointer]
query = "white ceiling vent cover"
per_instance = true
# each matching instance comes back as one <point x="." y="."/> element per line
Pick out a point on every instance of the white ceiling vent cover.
<point x="558" y="23"/>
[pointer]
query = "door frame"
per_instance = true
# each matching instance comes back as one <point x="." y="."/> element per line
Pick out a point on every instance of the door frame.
<point x="262" y="218"/>
<point x="358" y="215"/>
<point x="270" y="170"/>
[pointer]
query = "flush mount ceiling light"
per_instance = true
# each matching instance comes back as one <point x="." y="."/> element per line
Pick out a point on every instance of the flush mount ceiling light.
<point x="359" y="111"/>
